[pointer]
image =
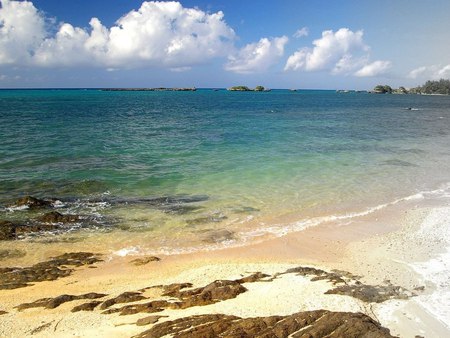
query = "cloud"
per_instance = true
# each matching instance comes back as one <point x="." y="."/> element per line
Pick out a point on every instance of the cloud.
<point x="340" y="52"/>
<point x="22" y="29"/>
<point x="374" y="69"/>
<point x="258" y="56"/>
<point x="434" y="72"/>
<point x="158" y="33"/>
<point x="304" y="31"/>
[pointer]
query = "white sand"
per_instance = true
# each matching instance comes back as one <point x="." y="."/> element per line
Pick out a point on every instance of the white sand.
<point x="397" y="245"/>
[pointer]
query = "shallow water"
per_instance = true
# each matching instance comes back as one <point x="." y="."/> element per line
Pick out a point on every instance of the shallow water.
<point x="134" y="164"/>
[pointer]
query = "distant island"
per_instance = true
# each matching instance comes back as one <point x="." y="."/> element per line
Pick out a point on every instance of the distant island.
<point x="247" y="89"/>
<point x="160" y="89"/>
<point x="441" y="87"/>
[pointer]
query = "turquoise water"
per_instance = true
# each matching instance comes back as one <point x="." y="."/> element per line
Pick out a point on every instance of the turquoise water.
<point x="240" y="161"/>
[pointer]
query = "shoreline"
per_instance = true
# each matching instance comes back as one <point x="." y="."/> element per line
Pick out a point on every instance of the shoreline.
<point x="378" y="247"/>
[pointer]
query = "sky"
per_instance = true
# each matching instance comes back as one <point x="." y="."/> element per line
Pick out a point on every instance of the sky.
<point x="304" y="44"/>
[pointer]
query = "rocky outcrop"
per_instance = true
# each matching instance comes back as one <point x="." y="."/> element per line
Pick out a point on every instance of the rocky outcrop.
<point x="90" y="306"/>
<point x="52" y="303"/>
<point x="50" y="221"/>
<point x="178" y="296"/>
<point x="313" y="324"/>
<point x="57" y="267"/>
<point x="31" y="203"/>
<point x="372" y="293"/>
<point x="212" y="293"/>
<point x="11" y="231"/>
<point x="126" y="297"/>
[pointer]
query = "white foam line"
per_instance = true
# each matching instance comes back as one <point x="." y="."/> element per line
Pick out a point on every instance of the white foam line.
<point x="280" y="230"/>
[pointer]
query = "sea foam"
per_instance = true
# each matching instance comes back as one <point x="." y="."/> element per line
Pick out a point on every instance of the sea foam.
<point x="435" y="271"/>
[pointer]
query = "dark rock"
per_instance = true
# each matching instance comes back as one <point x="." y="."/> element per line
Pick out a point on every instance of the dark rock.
<point x="256" y="277"/>
<point x="32" y="203"/>
<point x="148" y="320"/>
<point x="7" y="230"/>
<point x="86" y="306"/>
<point x="351" y="286"/>
<point x="212" y="293"/>
<point x="3" y="312"/>
<point x="174" y="289"/>
<point x="313" y="324"/>
<point x="56" y="217"/>
<point x="57" y="267"/>
<point x="150" y="307"/>
<point x="126" y="297"/>
<point x="145" y="260"/>
<point x="319" y="274"/>
<point x="41" y="328"/>
<point x="21" y="230"/>
<point x="10" y="231"/>
<point x="371" y="293"/>
<point x="52" y="303"/>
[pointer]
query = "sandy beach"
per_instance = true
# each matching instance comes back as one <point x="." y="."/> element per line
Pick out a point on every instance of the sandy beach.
<point x="379" y="265"/>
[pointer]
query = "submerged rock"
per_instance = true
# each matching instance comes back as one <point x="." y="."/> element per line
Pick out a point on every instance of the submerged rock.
<point x="179" y="209"/>
<point x="31" y="203"/>
<point x="215" y="218"/>
<point x="55" y="217"/>
<point x="7" y="230"/>
<point x="10" y="231"/>
<point x="50" y="221"/>
<point x="312" y="324"/>
<point x="217" y="236"/>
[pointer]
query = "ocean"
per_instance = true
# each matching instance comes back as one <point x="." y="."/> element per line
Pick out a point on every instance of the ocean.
<point x="167" y="172"/>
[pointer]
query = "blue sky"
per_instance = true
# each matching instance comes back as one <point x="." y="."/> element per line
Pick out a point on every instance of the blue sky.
<point x="332" y="44"/>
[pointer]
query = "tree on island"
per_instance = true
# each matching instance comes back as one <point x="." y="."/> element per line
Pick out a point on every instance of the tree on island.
<point x="246" y="89"/>
<point x="382" y="89"/>
<point x="436" y="87"/>
<point x="441" y="87"/>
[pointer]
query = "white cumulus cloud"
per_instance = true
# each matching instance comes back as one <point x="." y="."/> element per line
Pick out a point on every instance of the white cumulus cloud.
<point x="22" y="29"/>
<point x="340" y="52"/>
<point x="374" y="69"/>
<point x="258" y="56"/>
<point x="434" y="72"/>
<point x="158" y="33"/>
